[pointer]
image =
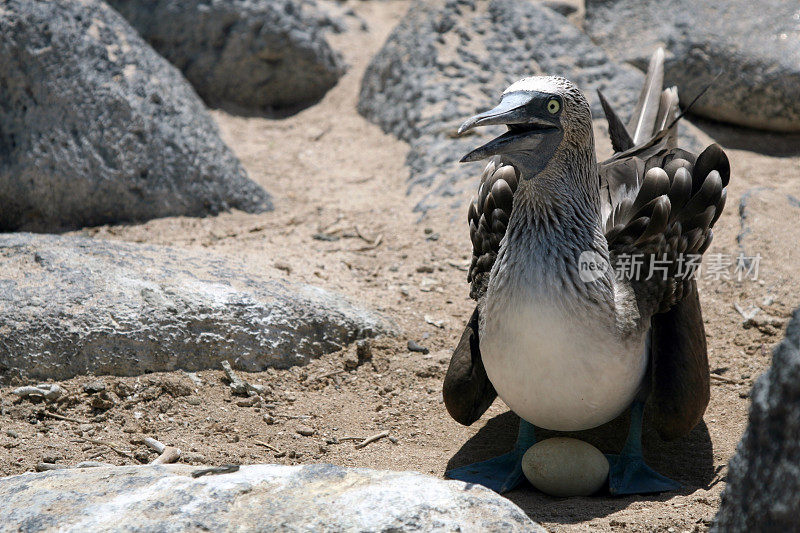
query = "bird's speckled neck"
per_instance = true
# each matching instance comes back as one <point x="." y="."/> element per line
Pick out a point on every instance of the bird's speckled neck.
<point x="556" y="217"/>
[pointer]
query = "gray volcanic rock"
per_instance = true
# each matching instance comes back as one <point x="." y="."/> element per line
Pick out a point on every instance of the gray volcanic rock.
<point x="763" y="491"/>
<point x="254" y="498"/>
<point x="767" y="221"/>
<point x="70" y="306"/>
<point x="257" y="54"/>
<point x="755" y="47"/>
<point x="449" y="59"/>
<point x="96" y="127"/>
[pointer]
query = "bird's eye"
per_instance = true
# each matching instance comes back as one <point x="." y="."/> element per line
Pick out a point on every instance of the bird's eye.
<point x="553" y="106"/>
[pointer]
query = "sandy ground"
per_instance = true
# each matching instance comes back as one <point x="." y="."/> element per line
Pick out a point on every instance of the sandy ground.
<point x="332" y="173"/>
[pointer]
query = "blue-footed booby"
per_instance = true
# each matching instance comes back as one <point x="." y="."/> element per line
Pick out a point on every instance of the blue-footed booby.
<point x="566" y="336"/>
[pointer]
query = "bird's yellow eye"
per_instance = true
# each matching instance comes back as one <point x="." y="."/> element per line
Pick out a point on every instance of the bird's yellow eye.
<point x="553" y="106"/>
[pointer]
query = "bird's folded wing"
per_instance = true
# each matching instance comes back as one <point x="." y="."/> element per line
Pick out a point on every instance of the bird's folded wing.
<point x="489" y="213"/>
<point x="659" y="224"/>
<point x="467" y="391"/>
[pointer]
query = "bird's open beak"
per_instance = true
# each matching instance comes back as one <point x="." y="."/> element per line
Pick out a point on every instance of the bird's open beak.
<point x="521" y="124"/>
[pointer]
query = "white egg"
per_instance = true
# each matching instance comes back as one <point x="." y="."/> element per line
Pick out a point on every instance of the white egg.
<point x="565" y="467"/>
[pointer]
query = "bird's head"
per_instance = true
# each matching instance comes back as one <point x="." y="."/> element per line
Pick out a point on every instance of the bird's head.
<point x="542" y="113"/>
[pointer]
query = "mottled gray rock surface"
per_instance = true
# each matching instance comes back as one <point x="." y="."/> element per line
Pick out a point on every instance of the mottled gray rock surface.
<point x="767" y="222"/>
<point x="449" y="59"/>
<point x="756" y="47"/>
<point x="256" y="498"/>
<point x="70" y="306"/>
<point x="252" y="53"/>
<point x="763" y="491"/>
<point x="96" y="127"/>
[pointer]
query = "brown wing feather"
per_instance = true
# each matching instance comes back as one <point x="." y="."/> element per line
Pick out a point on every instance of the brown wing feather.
<point x="489" y="213"/>
<point x="666" y="219"/>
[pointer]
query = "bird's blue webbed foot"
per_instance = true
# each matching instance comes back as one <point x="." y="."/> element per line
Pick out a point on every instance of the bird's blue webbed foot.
<point x="502" y="473"/>
<point x="628" y="473"/>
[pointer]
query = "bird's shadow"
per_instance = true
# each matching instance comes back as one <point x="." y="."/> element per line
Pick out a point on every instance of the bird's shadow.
<point x="688" y="460"/>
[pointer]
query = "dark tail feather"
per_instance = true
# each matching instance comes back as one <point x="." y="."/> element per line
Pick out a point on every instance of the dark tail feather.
<point x="680" y="391"/>
<point x="620" y="138"/>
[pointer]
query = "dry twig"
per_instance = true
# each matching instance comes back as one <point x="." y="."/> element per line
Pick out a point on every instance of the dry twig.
<point x="328" y="375"/>
<point x="369" y="440"/>
<point x="215" y="470"/>
<point x="267" y="446"/>
<point x="65" y="418"/>
<point x="114" y="447"/>
<point x="724" y="379"/>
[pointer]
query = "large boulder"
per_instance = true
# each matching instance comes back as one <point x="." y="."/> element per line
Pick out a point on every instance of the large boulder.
<point x="257" y="54"/>
<point x="753" y="47"/>
<point x="763" y="491"/>
<point x="767" y="222"/>
<point x="70" y="306"/>
<point x="449" y="59"/>
<point x="96" y="127"/>
<point x="254" y="498"/>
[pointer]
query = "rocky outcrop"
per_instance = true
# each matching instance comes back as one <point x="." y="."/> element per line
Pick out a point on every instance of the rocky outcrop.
<point x="96" y="127"/>
<point x="253" y="498"/>
<point x="763" y="491"/>
<point x="73" y="306"/>
<point x="449" y="59"/>
<point x="257" y="54"/>
<point x="756" y="53"/>
<point x="767" y="222"/>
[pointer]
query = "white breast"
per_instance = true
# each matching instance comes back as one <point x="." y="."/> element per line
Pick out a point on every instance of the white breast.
<point x="558" y="369"/>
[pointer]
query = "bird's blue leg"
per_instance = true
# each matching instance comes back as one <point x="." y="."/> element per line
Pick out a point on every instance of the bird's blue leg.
<point x="628" y="474"/>
<point x="503" y="473"/>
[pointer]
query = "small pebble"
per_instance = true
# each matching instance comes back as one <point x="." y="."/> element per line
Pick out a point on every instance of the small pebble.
<point x="102" y="402"/>
<point x="305" y="431"/>
<point x="44" y="466"/>
<point x="193" y="457"/>
<point x="364" y="351"/>
<point x="415" y="347"/>
<point x="11" y="433"/>
<point x="281" y="265"/>
<point x="143" y="456"/>
<point x="93" y="387"/>
<point x="269" y="419"/>
<point x="350" y="360"/>
<point x="249" y="402"/>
